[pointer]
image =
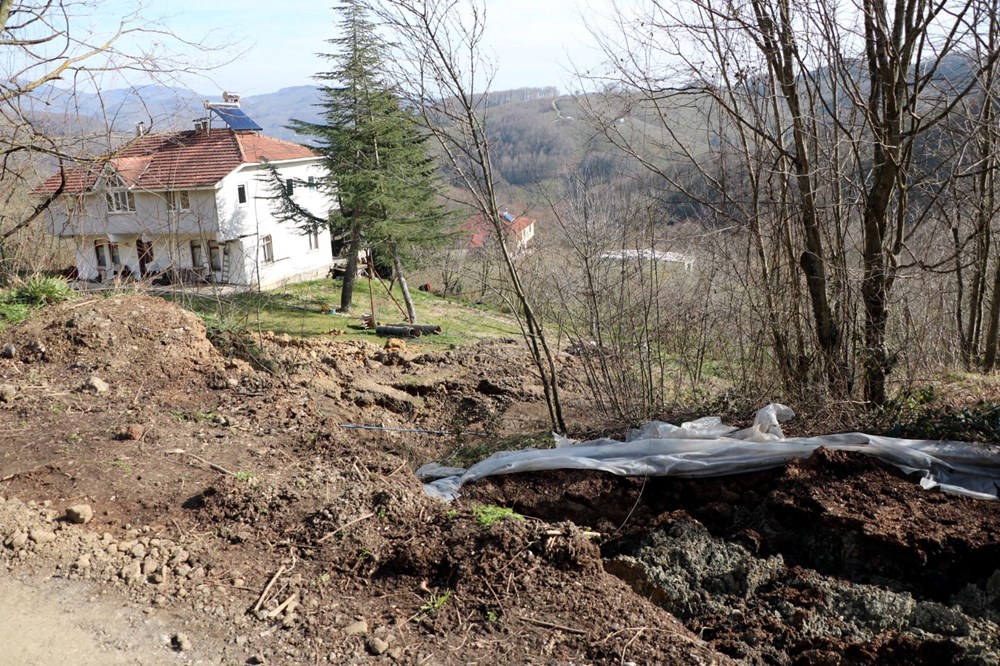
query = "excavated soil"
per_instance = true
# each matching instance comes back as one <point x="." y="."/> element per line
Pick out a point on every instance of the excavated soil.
<point x="234" y="520"/>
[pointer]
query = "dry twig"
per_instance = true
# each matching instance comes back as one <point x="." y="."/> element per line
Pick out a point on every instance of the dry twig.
<point x="209" y="463"/>
<point x="344" y="527"/>
<point x="267" y="588"/>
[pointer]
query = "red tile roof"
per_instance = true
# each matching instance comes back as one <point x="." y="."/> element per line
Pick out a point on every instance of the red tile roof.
<point x="482" y="229"/>
<point x="179" y="160"/>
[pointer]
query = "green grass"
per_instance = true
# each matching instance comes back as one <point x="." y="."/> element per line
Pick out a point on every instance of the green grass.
<point x="298" y="310"/>
<point x="18" y="302"/>
<point x="486" y="515"/>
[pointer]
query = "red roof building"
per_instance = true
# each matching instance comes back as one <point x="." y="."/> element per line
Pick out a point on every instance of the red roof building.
<point x="196" y="203"/>
<point x="519" y="230"/>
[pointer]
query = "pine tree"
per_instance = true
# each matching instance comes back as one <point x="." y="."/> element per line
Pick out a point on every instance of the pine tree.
<point x="377" y="165"/>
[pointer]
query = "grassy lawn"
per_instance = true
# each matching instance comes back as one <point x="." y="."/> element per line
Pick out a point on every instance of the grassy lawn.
<point x="307" y="309"/>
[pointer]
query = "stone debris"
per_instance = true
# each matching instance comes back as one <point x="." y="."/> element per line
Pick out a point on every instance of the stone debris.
<point x="7" y="393"/>
<point x="95" y="384"/>
<point x="132" y="432"/>
<point x="41" y="536"/>
<point x="356" y="628"/>
<point x="80" y="514"/>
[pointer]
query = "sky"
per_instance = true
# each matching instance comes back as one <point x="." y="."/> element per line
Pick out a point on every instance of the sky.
<point x="535" y="42"/>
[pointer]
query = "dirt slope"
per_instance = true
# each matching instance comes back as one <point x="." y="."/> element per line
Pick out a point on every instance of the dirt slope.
<point x="226" y="499"/>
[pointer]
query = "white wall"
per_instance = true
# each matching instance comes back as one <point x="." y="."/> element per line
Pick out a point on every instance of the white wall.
<point x="215" y="216"/>
<point x="293" y="259"/>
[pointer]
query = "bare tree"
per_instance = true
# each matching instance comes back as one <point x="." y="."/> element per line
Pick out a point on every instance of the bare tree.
<point x="442" y="74"/>
<point x="816" y="117"/>
<point x="47" y="55"/>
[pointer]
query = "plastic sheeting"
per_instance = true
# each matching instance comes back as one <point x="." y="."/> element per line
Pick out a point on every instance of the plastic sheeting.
<point x="707" y="447"/>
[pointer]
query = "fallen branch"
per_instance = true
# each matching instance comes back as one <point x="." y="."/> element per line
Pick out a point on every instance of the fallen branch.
<point x="553" y="625"/>
<point x="586" y="534"/>
<point x="267" y="588"/>
<point x="277" y="611"/>
<point x="344" y="527"/>
<point x="212" y="465"/>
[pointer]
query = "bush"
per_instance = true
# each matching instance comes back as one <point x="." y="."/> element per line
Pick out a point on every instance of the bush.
<point x="38" y="291"/>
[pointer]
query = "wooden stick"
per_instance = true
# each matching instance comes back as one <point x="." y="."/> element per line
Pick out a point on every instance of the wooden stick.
<point x="344" y="527"/>
<point x="267" y="588"/>
<point x="552" y="625"/>
<point x="212" y="465"/>
<point x="277" y="611"/>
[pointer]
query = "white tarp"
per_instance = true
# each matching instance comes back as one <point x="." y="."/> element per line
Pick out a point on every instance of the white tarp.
<point x="707" y="447"/>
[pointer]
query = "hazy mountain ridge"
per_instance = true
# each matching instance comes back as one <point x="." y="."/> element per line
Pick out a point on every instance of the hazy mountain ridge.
<point x="165" y="108"/>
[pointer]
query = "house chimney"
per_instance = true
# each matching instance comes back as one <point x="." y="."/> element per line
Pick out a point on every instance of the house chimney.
<point x="140" y="128"/>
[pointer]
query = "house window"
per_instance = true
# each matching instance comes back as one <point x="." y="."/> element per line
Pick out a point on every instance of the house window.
<point x="314" y="239"/>
<point x="215" y="256"/>
<point x="289" y="187"/>
<point x="115" y="257"/>
<point x="120" y="201"/>
<point x="197" y="254"/>
<point x="312" y="183"/>
<point x="241" y="193"/>
<point x="267" y="249"/>
<point x="178" y="202"/>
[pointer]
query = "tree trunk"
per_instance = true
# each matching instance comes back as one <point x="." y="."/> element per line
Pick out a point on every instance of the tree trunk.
<point x="353" y="248"/>
<point x="397" y="265"/>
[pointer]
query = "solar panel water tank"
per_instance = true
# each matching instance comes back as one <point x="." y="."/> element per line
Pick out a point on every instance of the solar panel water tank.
<point x="235" y="118"/>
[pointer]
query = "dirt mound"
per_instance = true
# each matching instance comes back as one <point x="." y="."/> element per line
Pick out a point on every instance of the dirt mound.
<point x="225" y="491"/>
<point x="837" y="558"/>
<point x="119" y="337"/>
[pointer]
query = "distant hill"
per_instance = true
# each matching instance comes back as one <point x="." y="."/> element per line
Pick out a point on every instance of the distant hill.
<point x="164" y="108"/>
<point x="537" y="135"/>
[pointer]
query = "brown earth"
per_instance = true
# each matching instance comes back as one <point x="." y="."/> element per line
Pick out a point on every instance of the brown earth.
<point x="237" y="519"/>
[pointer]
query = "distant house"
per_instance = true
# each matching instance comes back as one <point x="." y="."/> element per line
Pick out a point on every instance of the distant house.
<point x="519" y="230"/>
<point x="195" y="202"/>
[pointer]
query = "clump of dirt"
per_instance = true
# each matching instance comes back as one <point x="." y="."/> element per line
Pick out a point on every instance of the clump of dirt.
<point x="760" y="611"/>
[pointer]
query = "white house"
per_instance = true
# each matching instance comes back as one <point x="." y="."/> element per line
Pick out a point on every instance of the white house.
<point x="197" y="202"/>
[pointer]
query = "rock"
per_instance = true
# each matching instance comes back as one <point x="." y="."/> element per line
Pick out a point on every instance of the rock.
<point x="80" y="514"/>
<point x="131" y="572"/>
<point x="394" y="344"/>
<point x="40" y="536"/>
<point x="132" y="432"/>
<point x="356" y="628"/>
<point x="395" y="653"/>
<point x="9" y="350"/>
<point x="181" y="642"/>
<point x="7" y="393"/>
<point x="18" y="540"/>
<point x="138" y="551"/>
<point x="95" y="385"/>
<point x="149" y="566"/>
<point x="83" y="562"/>
<point x="376" y="645"/>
